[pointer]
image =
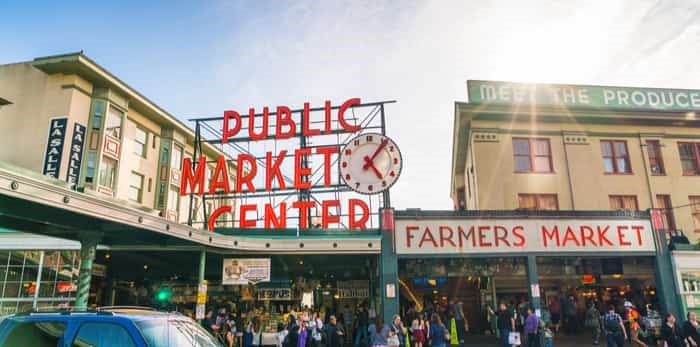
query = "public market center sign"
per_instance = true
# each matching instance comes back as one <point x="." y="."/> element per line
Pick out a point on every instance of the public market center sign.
<point x="588" y="96"/>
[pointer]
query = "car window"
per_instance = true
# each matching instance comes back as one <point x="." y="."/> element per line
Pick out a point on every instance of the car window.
<point x="155" y="331"/>
<point x="188" y="333"/>
<point x="102" y="335"/>
<point x="35" y="334"/>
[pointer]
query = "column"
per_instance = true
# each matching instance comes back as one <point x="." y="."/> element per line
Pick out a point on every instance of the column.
<point x="666" y="286"/>
<point x="88" y="247"/>
<point x="202" y="266"/>
<point x="38" y="280"/>
<point x="388" y="278"/>
<point x="533" y="282"/>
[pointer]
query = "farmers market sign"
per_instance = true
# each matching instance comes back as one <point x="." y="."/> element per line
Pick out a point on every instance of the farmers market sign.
<point x="626" y="98"/>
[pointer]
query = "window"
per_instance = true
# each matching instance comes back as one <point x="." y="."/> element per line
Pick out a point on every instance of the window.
<point x="695" y="211"/>
<point x="136" y="187"/>
<point x="623" y="202"/>
<point x="616" y="159"/>
<point x="140" y="142"/>
<point x="161" y="195"/>
<point x="690" y="157"/>
<point x="108" y="168"/>
<point x="532" y="155"/>
<point x="663" y="202"/>
<point x="39" y="334"/>
<point x="177" y="158"/>
<point x="90" y="167"/>
<point x="102" y="335"/>
<point x="538" y="202"/>
<point x="98" y="111"/>
<point x="113" y="125"/>
<point x="165" y="155"/>
<point x="173" y="197"/>
<point x="656" y="162"/>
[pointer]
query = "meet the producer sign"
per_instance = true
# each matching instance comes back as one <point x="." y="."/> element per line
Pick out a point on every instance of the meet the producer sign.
<point x="430" y="236"/>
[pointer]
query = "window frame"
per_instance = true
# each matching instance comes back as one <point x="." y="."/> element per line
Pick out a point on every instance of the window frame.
<point x="144" y="145"/>
<point x="622" y="198"/>
<point x="694" y="210"/>
<point x="103" y="167"/>
<point x="696" y="157"/>
<point x="139" y="189"/>
<point x="88" y="323"/>
<point x="615" y="157"/>
<point x="531" y="141"/>
<point x="538" y="199"/>
<point x="666" y="211"/>
<point x="658" y="157"/>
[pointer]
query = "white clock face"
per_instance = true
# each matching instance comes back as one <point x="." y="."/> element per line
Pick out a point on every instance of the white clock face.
<point x="370" y="163"/>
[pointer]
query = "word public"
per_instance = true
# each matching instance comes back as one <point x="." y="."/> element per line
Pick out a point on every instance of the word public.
<point x="247" y="169"/>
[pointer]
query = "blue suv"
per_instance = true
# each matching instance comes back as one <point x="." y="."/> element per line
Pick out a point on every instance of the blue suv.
<point x="105" y="327"/>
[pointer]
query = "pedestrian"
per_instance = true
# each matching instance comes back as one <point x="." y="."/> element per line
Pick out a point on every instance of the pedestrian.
<point x="491" y="320"/>
<point x="555" y="311"/>
<point x="671" y="334"/>
<point x="634" y="330"/>
<point x="335" y="332"/>
<point x="592" y="322"/>
<point x="397" y="329"/>
<point x="614" y="329"/>
<point x="362" y="326"/>
<point x="691" y="330"/>
<point x="571" y="319"/>
<point x="379" y="333"/>
<point x="348" y="320"/>
<point x="417" y="333"/>
<point x="292" y="337"/>
<point x="532" y="328"/>
<point x="506" y="323"/>
<point x="255" y="331"/>
<point x="316" y="328"/>
<point x="461" y="321"/>
<point x="437" y="333"/>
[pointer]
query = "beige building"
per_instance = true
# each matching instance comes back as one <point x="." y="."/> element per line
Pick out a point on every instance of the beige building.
<point x="559" y="147"/>
<point x="67" y="117"/>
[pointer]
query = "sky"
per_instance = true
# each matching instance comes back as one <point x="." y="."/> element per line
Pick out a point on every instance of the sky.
<point x="198" y="58"/>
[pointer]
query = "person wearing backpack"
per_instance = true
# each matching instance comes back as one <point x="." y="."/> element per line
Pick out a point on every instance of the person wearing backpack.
<point x="615" y="333"/>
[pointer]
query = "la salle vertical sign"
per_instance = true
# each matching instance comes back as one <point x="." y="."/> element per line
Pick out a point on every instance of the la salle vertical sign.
<point x="75" y="158"/>
<point x="54" y="146"/>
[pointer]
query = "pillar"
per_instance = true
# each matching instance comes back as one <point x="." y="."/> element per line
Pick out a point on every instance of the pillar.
<point x="88" y="247"/>
<point x="666" y="285"/>
<point x="533" y="283"/>
<point x="389" y="267"/>
<point x="202" y="266"/>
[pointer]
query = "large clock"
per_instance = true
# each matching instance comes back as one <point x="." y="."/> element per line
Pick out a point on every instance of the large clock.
<point x="370" y="163"/>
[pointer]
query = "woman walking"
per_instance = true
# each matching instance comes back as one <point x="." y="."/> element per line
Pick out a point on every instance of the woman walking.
<point x="532" y="327"/>
<point x="379" y="333"/>
<point x="670" y="332"/>
<point x="437" y="333"/>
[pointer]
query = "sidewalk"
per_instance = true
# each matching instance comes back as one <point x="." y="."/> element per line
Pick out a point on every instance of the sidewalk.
<point x="559" y="341"/>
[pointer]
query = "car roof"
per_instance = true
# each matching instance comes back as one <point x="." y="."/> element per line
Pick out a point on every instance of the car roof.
<point x="107" y="313"/>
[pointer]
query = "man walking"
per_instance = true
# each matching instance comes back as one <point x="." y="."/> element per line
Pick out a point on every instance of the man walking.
<point x="506" y="323"/>
<point x="615" y="333"/>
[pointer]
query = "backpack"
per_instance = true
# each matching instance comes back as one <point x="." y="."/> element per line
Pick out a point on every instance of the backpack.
<point x="612" y="325"/>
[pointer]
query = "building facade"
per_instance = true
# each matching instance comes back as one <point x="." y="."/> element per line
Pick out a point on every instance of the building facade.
<point x="557" y="147"/>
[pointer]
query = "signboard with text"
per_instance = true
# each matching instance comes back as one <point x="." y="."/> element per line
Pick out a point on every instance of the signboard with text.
<point x="243" y="271"/>
<point x="54" y="146"/>
<point x="75" y="158"/>
<point x="623" y="98"/>
<point x="467" y="235"/>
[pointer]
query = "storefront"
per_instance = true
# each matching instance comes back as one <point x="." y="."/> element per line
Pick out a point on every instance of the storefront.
<point x="489" y="257"/>
<point x="687" y="279"/>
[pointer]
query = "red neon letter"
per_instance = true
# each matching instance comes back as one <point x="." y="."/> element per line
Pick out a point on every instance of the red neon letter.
<point x="327" y="152"/>
<point x="241" y="177"/>
<point x="271" y="221"/>
<point x="214" y="215"/>
<point x="362" y="222"/>
<point x="284" y="117"/>
<point x="341" y="117"/>
<point x="251" y="124"/>
<point x="225" y="131"/>
<point x="327" y="217"/>
<point x="193" y="180"/>
<point x="517" y="232"/>
<point x="409" y="236"/>
<point x="621" y="235"/>
<point x="638" y="229"/>
<point x="303" y="207"/>
<point x="273" y="170"/>
<point x="306" y="121"/>
<point x="328" y="117"/>
<point x="301" y="172"/>
<point x="243" y="219"/>
<point x="220" y="177"/>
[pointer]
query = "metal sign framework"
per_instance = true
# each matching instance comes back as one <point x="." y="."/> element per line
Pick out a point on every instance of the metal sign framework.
<point x="370" y="117"/>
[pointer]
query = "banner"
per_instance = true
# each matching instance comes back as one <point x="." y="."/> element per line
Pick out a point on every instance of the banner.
<point x="466" y="235"/>
<point x="246" y="271"/>
<point x="627" y="98"/>
<point x="75" y="158"/>
<point x="353" y="289"/>
<point x="54" y="146"/>
<point x="274" y="294"/>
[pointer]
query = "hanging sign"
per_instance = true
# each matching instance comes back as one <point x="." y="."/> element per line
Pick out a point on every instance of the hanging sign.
<point x="54" y="146"/>
<point x="353" y="289"/>
<point x="240" y="271"/>
<point x="469" y="235"/>
<point x="75" y="158"/>
<point x="274" y="294"/>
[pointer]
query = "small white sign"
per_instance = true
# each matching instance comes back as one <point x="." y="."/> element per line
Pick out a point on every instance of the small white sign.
<point x="242" y="271"/>
<point x="199" y="312"/>
<point x="535" y="289"/>
<point x="390" y="290"/>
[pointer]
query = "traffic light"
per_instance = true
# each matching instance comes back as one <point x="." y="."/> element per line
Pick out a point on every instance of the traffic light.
<point x="163" y="295"/>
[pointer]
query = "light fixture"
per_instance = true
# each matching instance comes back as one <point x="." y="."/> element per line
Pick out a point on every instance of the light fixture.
<point x="652" y="292"/>
<point x="301" y="262"/>
<point x="617" y="276"/>
<point x="107" y="256"/>
<point x="432" y="282"/>
<point x="145" y="267"/>
<point x="336" y="296"/>
<point x="435" y="291"/>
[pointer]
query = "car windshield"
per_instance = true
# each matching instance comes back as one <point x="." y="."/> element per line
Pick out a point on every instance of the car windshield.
<point x="175" y="333"/>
